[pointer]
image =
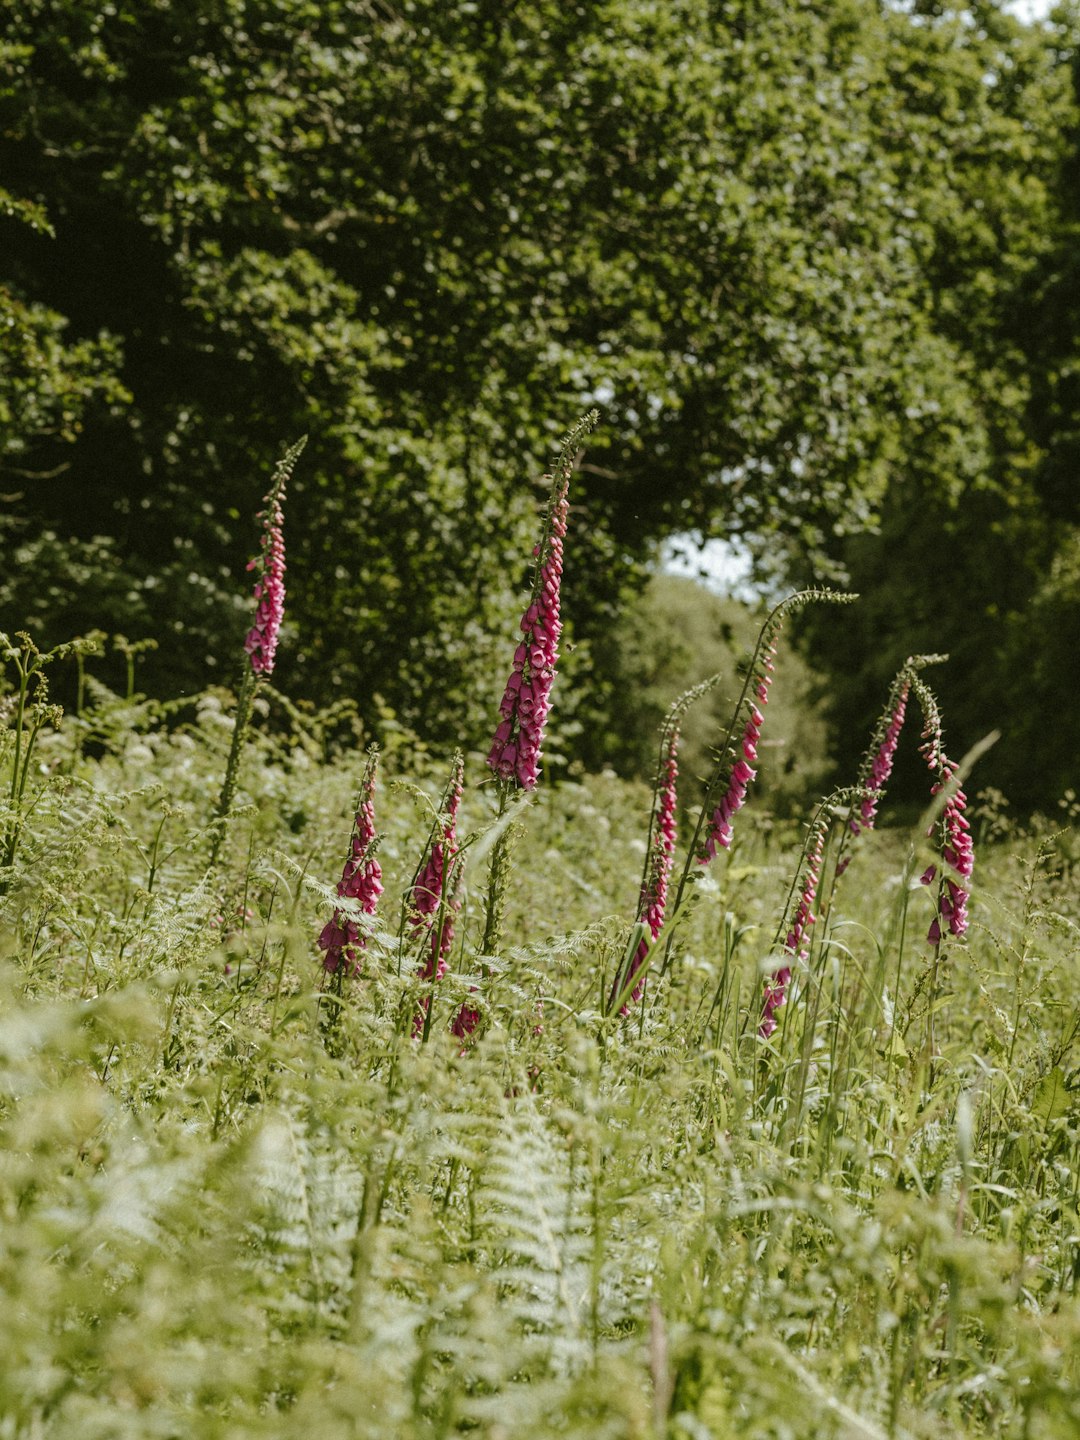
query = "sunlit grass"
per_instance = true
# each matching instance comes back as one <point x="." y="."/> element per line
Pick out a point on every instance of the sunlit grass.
<point x="224" y="1215"/>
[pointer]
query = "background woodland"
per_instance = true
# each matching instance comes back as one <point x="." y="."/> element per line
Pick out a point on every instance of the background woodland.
<point x="816" y="264"/>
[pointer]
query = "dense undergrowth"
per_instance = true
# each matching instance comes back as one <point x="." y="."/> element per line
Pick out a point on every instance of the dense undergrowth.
<point x="234" y="1204"/>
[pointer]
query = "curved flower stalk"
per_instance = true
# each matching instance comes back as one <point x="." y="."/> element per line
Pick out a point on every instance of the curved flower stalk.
<point x="652" y="902"/>
<point x="881" y="765"/>
<point x="958" y="853"/>
<point x="526" y="703"/>
<point x="720" y="832"/>
<point x="660" y="844"/>
<point x="877" y="764"/>
<point x="261" y="641"/>
<point x="777" y="983"/>
<point x="876" y="768"/>
<point x="957" y="849"/>
<point x="734" y="773"/>
<point x="361" y="881"/>
<point x="431" y="900"/>
<point x="797" y="940"/>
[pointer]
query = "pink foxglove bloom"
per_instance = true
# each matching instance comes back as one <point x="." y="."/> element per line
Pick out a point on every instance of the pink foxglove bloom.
<point x="720" y="831"/>
<point x="877" y="764"/>
<point x="652" y="905"/>
<point x="465" y="1021"/>
<point x="526" y="702"/>
<point x="432" y="905"/>
<point x="881" y="766"/>
<point x="361" y="881"/>
<point x="958" y="852"/>
<point x="262" y="638"/>
<point x="261" y="641"/>
<point x="777" y="983"/>
<point x="736" y="771"/>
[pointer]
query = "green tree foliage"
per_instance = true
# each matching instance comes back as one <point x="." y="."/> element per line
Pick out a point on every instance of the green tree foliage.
<point x="974" y="552"/>
<point x="46" y="385"/>
<point x="764" y="237"/>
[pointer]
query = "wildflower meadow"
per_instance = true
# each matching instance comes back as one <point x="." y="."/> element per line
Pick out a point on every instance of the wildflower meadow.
<point x="351" y="1086"/>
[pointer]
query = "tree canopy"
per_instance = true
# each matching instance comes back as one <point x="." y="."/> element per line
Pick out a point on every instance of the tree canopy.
<point x="794" y="252"/>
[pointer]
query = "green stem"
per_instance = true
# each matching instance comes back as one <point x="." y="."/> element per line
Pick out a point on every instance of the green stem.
<point x="496" y="891"/>
<point x="154" y="851"/>
<point x="244" y="705"/>
<point x="765" y="637"/>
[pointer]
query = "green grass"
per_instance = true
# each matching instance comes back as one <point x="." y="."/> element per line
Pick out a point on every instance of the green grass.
<point x="224" y="1214"/>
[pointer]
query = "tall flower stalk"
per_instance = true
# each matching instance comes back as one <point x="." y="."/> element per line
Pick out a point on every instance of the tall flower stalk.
<point x="957" y="849"/>
<point x="877" y="764"/>
<point x="431" y="901"/>
<point x="734" y="773"/>
<point x="652" y="901"/>
<point x="796" y="942"/>
<point x="516" y="748"/>
<point x="957" y="854"/>
<point x="881" y="765"/>
<point x="261" y="641"/>
<point x="341" y="938"/>
<point x="659" y="850"/>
